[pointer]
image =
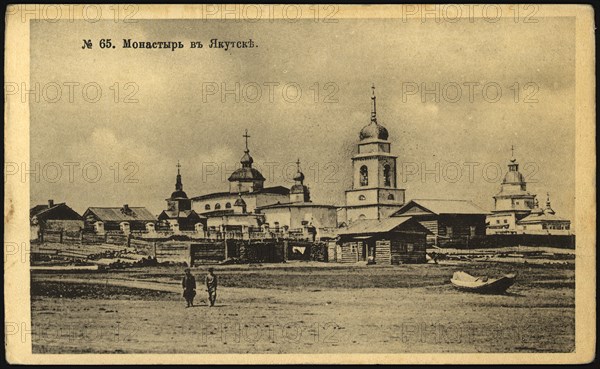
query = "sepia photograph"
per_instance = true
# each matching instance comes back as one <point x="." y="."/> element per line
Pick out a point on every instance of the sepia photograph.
<point x="299" y="184"/>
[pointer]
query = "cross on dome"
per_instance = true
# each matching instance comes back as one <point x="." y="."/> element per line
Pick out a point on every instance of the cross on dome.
<point x="247" y="136"/>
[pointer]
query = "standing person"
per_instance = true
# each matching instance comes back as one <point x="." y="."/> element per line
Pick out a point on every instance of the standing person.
<point x="211" y="286"/>
<point x="189" y="287"/>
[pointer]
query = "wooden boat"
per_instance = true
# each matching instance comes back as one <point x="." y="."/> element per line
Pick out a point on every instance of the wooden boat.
<point x="466" y="282"/>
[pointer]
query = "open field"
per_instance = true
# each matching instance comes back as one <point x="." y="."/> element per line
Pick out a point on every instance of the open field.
<point x="304" y="308"/>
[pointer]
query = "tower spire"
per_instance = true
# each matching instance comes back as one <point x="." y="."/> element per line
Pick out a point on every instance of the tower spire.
<point x="178" y="183"/>
<point x="548" y="207"/>
<point x="374" y="110"/>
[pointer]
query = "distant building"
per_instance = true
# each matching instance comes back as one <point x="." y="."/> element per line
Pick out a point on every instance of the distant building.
<point x="516" y="211"/>
<point x="449" y="221"/>
<point x="236" y="222"/>
<point x="299" y="211"/>
<point x="53" y="217"/>
<point x="395" y="240"/>
<point x="179" y="214"/>
<point x="374" y="193"/>
<point x="544" y="221"/>
<point x="512" y="203"/>
<point x="125" y="219"/>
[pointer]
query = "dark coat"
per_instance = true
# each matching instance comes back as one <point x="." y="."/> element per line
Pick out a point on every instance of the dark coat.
<point x="188" y="283"/>
<point x="189" y="286"/>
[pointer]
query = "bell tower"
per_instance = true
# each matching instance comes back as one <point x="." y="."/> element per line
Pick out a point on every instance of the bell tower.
<point x="374" y="193"/>
<point x="179" y="200"/>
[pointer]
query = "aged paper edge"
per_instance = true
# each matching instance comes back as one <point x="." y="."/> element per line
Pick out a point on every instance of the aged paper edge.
<point x="16" y="196"/>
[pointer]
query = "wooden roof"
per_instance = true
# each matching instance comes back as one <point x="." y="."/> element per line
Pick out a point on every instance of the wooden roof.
<point x="371" y="226"/>
<point x="439" y="206"/>
<point x="117" y="215"/>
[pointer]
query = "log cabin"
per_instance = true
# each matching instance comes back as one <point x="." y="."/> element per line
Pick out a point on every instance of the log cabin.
<point x="396" y="240"/>
<point x="453" y="223"/>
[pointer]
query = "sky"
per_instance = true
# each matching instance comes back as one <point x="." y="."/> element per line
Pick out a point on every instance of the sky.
<point x="158" y="107"/>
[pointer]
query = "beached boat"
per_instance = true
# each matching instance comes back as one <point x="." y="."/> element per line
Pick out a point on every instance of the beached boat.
<point x="466" y="282"/>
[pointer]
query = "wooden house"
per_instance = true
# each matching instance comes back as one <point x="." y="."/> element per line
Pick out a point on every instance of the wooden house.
<point x="123" y="218"/>
<point x="451" y="222"/>
<point x="396" y="240"/>
<point x="53" y="217"/>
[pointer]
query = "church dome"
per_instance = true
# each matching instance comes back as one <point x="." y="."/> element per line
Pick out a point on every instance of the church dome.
<point x="246" y="159"/>
<point x="374" y="130"/>
<point x="299" y="177"/>
<point x="179" y="194"/>
<point x="246" y="174"/>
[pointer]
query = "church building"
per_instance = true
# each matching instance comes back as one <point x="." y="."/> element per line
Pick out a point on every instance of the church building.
<point x="374" y="193"/>
<point x="245" y="180"/>
<point x="517" y="211"/>
<point x="299" y="212"/>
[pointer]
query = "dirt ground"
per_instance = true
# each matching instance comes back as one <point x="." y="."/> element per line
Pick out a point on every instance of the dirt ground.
<point x="304" y="308"/>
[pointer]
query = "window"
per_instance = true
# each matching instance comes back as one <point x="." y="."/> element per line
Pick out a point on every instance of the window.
<point x="472" y="231"/>
<point x="362" y="197"/>
<point x="449" y="231"/>
<point x="387" y="180"/>
<point x="410" y="247"/>
<point x="217" y="206"/>
<point x="497" y="221"/>
<point x="207" y="207"/>
<point x="390" y="197"/>
<point x="364" y="176"/>
<point x="505" y="221"/>
<point x="228" y="205"/>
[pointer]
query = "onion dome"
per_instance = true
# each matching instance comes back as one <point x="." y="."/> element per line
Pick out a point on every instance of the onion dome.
<point x="246" y="160"/>
<point x="299" y="177"/>
<point x="373" y="130"/>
